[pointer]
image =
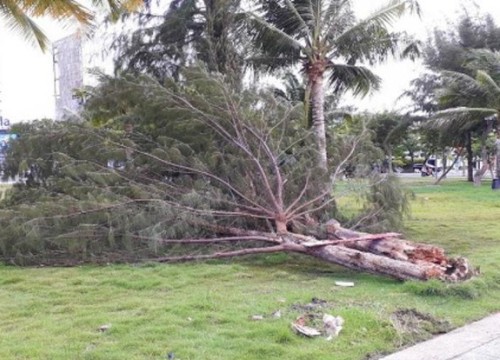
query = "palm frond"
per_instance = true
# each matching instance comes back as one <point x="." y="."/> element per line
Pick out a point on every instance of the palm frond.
<point x="487" y="82"/>
<point x="412" y="50"/>
<point x="337" y="18"/>
<point x="486" y="60"/>
<point x="300" y="16"/>
<point x="17" y="20"/>
<point x="460" y="89"/>
<point x="118" y="7"/>
<point x="459" y="118"/>
<point x="459" y="78"/>
<point x="264" y="29"/>
<point x="271" y="63"/>
<point x="358" y="79"/>
<point x="381" y="18"/>
<point x="57" y="9"/>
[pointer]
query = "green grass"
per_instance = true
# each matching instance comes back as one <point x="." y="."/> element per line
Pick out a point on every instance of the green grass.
<point x="203" y="310"/>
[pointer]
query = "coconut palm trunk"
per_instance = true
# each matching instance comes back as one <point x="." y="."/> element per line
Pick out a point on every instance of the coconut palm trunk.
<point x="316" y="79"/>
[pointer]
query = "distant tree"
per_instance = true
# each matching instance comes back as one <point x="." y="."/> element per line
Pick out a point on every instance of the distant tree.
<point x="450" y="51"/>
<point x="389" y="131"/>
<point x="473" y="101"/>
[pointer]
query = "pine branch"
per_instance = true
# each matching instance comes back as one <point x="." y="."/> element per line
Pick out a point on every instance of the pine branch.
<point x="228" y="254"/>
<point x="344" y="241"/>
<point x="270" y="238"/>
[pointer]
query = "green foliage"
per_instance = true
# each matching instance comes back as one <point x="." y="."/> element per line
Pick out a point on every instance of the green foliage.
<point x="167" y="185"/>
<point x="386" y="204"/>
<point x="187" y="31"/>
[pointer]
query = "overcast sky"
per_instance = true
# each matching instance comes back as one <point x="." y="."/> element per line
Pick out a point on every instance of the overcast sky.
<point x="26" y="75"/>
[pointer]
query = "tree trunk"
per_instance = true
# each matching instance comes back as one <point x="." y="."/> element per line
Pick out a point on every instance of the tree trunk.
<point x="445" y="163"/>
<point x="445" y="172"/>
<point x="497" y="160"/>
<point x="470" y="158"/>
<point x="478" y="175"/>
<point x="382" y="254"/>
<point x="316" y="75"/>
<point x="389" y="161"/>
<point x="390" y="256"/>
<point x="375" y="264"/>
<point x="484" y="154"/>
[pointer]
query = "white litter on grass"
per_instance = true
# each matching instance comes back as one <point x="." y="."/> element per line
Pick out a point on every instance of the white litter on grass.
<point x="333" y="325"/>
<point x="344" y="283"/>
<point x="305" y="330"/>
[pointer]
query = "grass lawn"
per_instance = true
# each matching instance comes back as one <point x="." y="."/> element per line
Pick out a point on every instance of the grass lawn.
<point x="204" y="310"/>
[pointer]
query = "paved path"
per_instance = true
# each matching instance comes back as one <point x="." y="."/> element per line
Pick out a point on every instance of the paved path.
<point x="477" y="341"/>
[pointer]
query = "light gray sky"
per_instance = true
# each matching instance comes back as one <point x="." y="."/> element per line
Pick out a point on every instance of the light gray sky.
<point x="26" y="76"/>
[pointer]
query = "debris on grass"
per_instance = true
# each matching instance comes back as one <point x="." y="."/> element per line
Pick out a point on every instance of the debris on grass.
<point x="104" y="328"/>
<point x="332" y="325"/>
<point x="305" y="330"/>
<point x="344" y="283"/>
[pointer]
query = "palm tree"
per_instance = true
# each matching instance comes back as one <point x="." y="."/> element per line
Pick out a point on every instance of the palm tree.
<point x="326" y="39"/>
<point x="19" y="14"/>
<point x="473" y="101"/>
<point x="189" y="31"/>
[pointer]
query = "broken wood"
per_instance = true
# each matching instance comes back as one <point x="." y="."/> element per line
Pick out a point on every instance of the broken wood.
<point x="382" y="254"/>
<point x="388" y="245"/>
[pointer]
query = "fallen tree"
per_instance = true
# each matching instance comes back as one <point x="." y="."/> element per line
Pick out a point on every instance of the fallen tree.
<point x="383" y="254"/>
<point x="252" y="190"/>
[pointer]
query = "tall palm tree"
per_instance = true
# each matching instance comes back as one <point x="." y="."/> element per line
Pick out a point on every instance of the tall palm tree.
<point x="19" y="14"/>
<point x="326" y="39"/>
<point x="473" y="101"/>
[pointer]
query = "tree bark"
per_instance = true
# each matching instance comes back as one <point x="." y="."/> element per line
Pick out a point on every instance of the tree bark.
<point x="316" y="74"/>
<point x="382" y="254"/>
<point x="376" y="264"/>
<point x="478" y="175"/>
<point x="497" y="158"/>
<point x="387" y="255"/>
<point x="470" y="158"/>
<point x="445" y="172"/>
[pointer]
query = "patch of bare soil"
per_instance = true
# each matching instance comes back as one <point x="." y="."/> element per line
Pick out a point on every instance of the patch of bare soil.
<point x="414" y="326"/>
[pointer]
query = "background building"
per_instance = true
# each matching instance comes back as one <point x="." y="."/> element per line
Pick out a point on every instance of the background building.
<point x="68" y="74"/>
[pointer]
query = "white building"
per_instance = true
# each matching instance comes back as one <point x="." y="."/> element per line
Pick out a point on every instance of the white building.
<point x="68" y="74"/>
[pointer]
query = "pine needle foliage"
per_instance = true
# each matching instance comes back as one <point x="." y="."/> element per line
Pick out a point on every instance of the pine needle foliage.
<point x="215" y="167"/>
